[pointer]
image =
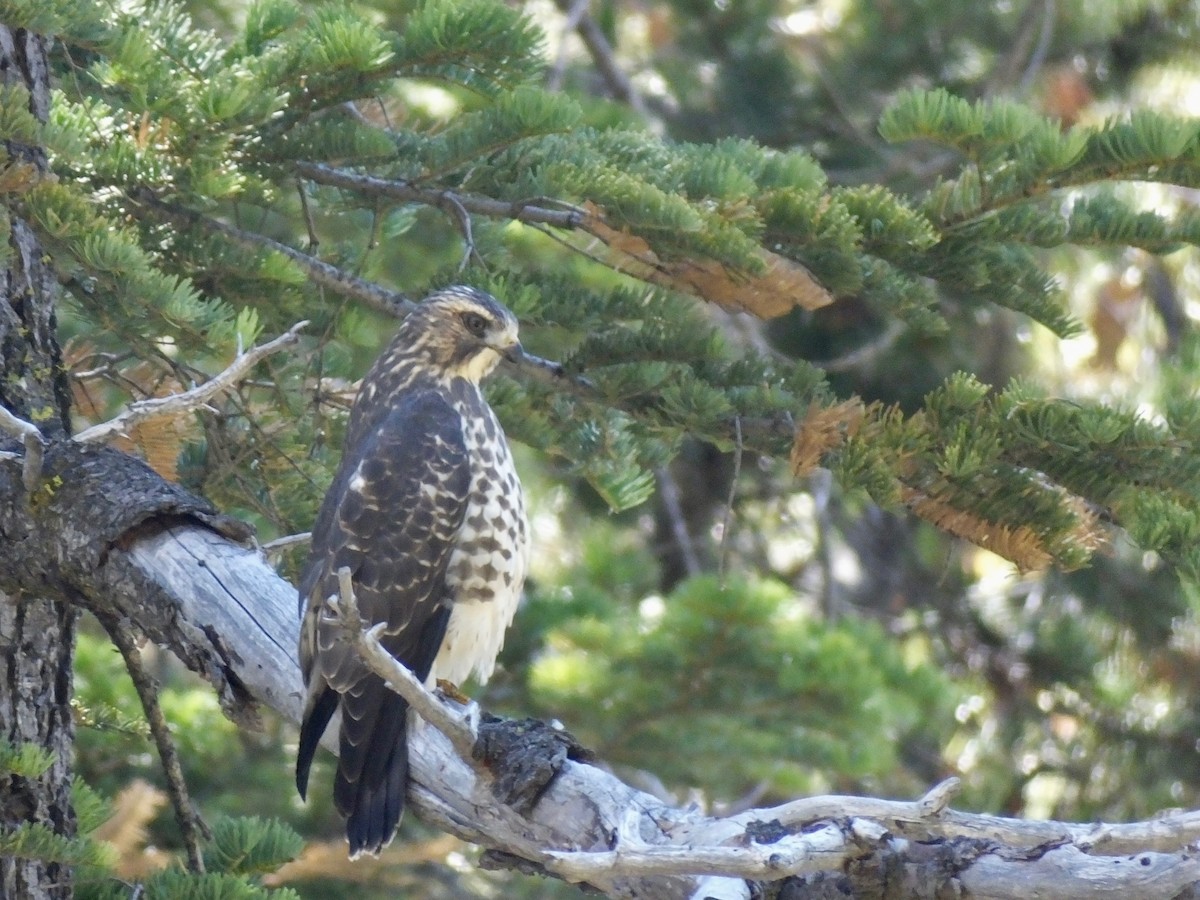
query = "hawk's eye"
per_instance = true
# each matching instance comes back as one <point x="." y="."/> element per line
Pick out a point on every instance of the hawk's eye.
<point x="476" y="324"/>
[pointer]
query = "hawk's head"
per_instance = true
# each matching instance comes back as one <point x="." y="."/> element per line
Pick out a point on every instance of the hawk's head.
<point x="462" y="332"/>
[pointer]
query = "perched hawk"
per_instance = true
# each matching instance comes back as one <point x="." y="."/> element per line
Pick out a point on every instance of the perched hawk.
<point x="427" y="512"/>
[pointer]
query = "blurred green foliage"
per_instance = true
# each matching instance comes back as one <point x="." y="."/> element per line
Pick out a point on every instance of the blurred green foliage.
<point x="708" y="623"/>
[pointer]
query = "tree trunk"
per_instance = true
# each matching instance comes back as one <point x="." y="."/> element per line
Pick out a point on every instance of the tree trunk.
<point x="37" y="634"/>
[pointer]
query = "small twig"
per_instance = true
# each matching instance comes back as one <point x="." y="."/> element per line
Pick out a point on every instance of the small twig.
<point x="727" y="520"/>
<point x="191" y="826"/>
<point x="554" y="80"/>
<point x="110" y="361"/>
<point x="197" y="397"/>
<point x="551" y="374"/>
<point x="619" y="84"/>
<point x="277" y="546"/>
<point x="1038" y="58"/>
<point x="938" y="797"/>
<point x="459" y="727"/>
<point x="373" y="235"/>
<point x="313" y="240"/>
<point x="813" y="809"/>
<point x="820" y="485"/>
<point x="35" y="448"/>
<point x="463" y="218"/>
<point x="669" y="491"/>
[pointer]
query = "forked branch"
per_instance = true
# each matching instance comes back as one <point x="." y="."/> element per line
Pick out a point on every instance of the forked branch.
<point x="193" y="399"/>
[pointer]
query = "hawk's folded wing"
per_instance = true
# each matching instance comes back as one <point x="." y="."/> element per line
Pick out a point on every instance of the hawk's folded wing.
<point x="392" y="516"/>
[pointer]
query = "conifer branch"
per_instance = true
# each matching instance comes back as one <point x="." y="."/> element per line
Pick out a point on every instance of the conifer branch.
<point x="197" y="397"/>
<point x="191" y="827"/>
<point x="35" y="447"/>
<point x="527" y="211"/>
<point x="376" y="296"/>
<point x="393" y="303"/>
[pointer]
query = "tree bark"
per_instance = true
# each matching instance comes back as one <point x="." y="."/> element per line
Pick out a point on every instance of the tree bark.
<point x="37" y="634"/>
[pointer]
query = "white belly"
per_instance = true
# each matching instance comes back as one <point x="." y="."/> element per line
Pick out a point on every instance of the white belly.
<point x="486" y="570"/>
<point x="473" y="639"/>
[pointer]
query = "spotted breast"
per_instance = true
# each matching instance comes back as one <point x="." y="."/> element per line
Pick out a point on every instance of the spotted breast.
<point x="487" y="568"/>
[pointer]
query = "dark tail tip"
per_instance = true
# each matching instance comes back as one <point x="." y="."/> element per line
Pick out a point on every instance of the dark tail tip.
<point x="376" y="811"/>
<point x="311" y="730"/>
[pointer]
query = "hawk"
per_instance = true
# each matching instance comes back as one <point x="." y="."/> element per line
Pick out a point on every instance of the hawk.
<point x="427" y="512"/>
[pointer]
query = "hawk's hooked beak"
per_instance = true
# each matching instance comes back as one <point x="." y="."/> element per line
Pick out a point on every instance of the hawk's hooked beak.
<point x="515" y="354"/>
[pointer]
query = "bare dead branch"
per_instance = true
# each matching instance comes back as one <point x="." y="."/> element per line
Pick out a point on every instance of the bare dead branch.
<point x="197" y="397"/>
<point x="191" y="827"/>
<point x="35" y="447"/>
<point x="277" y="546"/>
<point x="234" y="620"/>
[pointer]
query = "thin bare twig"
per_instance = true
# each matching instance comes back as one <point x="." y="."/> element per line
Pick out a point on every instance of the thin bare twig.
<point x="191" y="826"/>
<point x="277" y="546"/>
<point x="460" y="727"/>
<point x="463" y="219"/>
<point x="322" y="273"/>
<point x="1026" y="51"/>
<point x="313" y="240"/>
<point x="197" y="397"/>
<point x="669" y="491"/>
<point x="820" y="486"/>
<point x="619" y="84"/>
<point x="1038" y="58"/>
<point x="727" y="520"/>
<point x="35" y="448"/>
<point x="554" y="80"/>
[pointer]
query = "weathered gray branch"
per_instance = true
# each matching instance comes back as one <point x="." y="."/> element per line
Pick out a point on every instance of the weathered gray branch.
<point x="197" y="397"/>
<point x="33" y="442"/>
<point x="115" y="537"/>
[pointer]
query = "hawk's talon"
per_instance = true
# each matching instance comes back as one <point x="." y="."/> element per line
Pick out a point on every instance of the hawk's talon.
<point x="452" y="691"/>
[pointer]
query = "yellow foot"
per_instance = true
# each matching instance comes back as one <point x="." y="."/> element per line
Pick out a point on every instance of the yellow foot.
<point x="450" y="689"/>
